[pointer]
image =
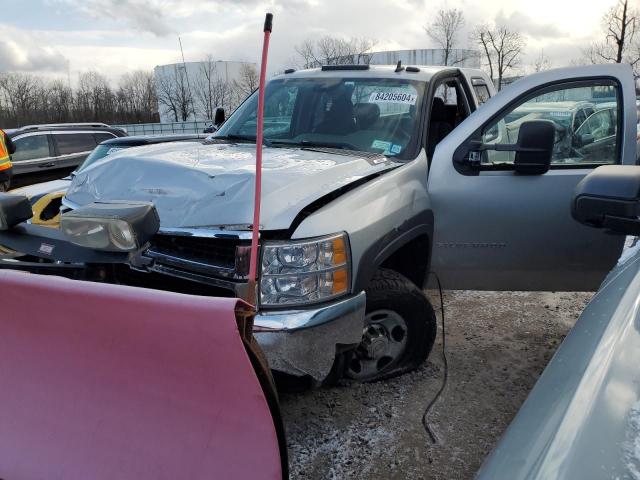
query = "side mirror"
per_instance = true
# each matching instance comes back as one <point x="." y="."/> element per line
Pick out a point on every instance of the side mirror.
<point x="535" y="147"/>
<point x="584" y="139"/>
<point x="609" y="197"/>
<point x="218" y="117"/>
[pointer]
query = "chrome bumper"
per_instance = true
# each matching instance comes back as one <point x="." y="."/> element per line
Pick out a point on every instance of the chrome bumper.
<point x="303" y="342"/>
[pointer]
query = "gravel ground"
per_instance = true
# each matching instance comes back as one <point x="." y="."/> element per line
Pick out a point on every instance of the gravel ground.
<point x="497" y="346"/>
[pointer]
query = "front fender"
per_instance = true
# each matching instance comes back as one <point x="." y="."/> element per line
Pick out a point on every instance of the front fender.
<point x="380" y="217"/>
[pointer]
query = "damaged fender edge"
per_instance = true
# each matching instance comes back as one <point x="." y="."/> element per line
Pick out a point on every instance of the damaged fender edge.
<point x="303" y="342"/>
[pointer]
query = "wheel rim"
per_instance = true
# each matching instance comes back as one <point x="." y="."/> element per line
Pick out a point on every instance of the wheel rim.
<point x="384" y="341"/>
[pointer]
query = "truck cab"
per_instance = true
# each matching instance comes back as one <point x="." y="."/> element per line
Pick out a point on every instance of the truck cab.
<point x="375" y="179"/>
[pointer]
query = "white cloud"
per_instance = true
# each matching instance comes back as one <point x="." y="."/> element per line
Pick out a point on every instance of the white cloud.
<point x="113" y="36"/>
<point x="22" y="52"/>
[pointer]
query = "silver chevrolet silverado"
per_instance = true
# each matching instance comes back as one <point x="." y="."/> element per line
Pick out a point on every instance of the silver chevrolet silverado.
<point x="374" y="177"/>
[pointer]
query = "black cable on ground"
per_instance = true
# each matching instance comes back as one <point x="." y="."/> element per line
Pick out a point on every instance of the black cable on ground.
<point x="425" y="422"/>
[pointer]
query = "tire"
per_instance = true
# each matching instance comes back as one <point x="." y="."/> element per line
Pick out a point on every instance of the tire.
<point x="4" y="186"/>
<point x="400" y="330"/>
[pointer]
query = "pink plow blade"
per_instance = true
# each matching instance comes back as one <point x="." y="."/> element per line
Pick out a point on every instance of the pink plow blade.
<point x="102" y="382"/>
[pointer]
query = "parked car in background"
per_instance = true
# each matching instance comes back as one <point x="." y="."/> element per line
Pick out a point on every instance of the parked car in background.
<point x="595" y="138"/>
<point x="582" y="418"/>
<point x="52" y="151"/>
<point x="46" y="197"/>
<point x="567" y="117"/>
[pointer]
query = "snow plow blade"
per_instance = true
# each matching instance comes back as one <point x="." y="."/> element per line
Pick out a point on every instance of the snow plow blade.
<point x="109" y="382"/>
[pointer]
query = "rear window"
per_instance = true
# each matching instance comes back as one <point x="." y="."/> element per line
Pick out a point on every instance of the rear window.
<point x="101" y="137"/>
<point x="69" y="143"/>
<point x="482" y="93"/>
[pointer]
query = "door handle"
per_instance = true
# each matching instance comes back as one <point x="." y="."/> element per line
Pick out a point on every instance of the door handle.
<point x="47" y="165"/>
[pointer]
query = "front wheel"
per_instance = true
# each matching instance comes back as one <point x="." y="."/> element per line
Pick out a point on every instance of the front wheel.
<point x="399" y="332"/>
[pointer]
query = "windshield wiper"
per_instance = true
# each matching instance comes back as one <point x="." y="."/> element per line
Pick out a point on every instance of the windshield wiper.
<point x="315" y="144"/>
<point x="241" y="138"/>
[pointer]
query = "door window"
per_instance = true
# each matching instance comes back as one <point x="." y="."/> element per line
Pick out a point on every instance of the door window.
<point x="69" y="143"/>
<point x="482" y="93"/>
<point x="32" y="147"/>
<point x="568" y="108"/>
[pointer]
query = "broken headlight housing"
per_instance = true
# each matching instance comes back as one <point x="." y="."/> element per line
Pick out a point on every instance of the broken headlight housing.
<point x="305" y="272"/>
<point x="113" y="227"/>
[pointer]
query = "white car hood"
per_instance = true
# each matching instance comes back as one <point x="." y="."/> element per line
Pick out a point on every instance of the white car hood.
<point x="200" y="185"/>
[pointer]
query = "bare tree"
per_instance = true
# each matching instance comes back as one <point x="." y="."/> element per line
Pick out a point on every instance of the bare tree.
<point x="247" y="81"/>
<point x="335" y="51"/>
<point x="501" y="47"/>
<point x="28" y="99"/>
<point x="444" y="32"/>
<point x="174" y="93"/>
<point x="60" y="103"/>
<point x="94" y="99"/>
<point x="20" y="92"/>
<point x="136" y="97"/>
<point x="213" y="90"/>
<point x="541" y="62"/>
<point x="622" y="41"/>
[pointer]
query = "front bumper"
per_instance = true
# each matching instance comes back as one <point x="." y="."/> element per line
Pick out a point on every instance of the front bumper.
<point x="303" y="342"/>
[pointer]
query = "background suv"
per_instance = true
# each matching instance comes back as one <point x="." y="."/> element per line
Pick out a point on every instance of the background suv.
<point x="46" y="152"/>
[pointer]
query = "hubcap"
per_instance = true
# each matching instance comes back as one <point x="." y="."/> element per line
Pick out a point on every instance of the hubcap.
<point x="384" y="340"/>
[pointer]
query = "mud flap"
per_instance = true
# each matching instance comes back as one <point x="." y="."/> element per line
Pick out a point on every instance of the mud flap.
<point x="109" y="382"/>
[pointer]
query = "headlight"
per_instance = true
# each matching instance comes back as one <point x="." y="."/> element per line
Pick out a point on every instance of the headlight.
<point x="302" y="272"/>
<point x="116" y="226"/>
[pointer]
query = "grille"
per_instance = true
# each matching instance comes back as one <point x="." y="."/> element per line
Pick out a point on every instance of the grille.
<point x="217" y="252"/>
<point x="157" y="281"/>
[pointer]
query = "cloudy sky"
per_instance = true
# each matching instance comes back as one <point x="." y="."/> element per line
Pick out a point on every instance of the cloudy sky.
<point x="53" y="37"/>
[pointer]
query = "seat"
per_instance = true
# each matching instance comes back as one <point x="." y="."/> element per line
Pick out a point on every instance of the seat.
<point x="339" y="119"/>
<point x="439" y="127"/>
<point x="366" y="114"/>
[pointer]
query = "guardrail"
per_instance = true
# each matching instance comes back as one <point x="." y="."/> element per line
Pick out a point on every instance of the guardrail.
<point x="147" y="129"/>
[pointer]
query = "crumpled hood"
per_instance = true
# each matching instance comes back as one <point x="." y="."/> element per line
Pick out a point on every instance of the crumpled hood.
<point x="212" y="185"/>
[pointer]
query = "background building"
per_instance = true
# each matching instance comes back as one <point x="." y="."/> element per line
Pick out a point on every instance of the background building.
<point x="191" y="91"/>
<point x="426" y="56"/>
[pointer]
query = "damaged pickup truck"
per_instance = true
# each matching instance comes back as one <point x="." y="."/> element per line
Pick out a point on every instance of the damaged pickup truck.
<point x="358" y="207"/>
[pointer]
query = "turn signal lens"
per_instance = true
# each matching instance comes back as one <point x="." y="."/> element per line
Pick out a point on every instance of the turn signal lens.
<point x="340" y="281"/>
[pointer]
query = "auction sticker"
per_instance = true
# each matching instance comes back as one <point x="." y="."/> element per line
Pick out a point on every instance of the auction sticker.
<point x="381" y="145"/>
<point x="393" y="97"/>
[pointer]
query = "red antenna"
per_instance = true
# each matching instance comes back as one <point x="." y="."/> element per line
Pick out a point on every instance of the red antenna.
<point x="253" y="264"/>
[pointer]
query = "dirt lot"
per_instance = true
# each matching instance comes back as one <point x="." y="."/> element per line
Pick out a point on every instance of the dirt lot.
<point x="497" y="346"/>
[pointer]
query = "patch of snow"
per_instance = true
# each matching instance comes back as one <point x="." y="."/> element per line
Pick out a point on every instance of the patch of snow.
<point x="630" y="249"/>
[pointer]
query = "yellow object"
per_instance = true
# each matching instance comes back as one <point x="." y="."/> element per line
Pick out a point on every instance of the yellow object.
<point x="339" y="251"/>
<point x="39" y="207"/>
<point x="340" y="281"/>
<point x="5" y="159"/>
